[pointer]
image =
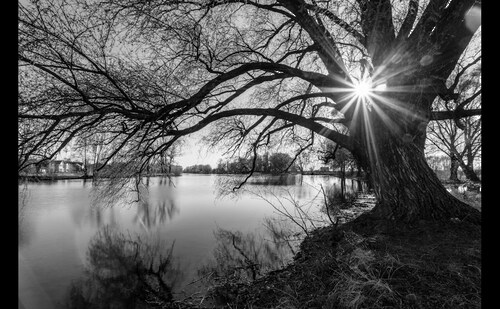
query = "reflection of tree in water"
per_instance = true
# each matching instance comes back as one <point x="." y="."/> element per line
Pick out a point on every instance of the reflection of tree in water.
<point x="234" y="186"/>
<point x="125" y="272"/>
<point x="108" y="192"/>
<point x="239" y="258"/>
<point x="242" y="257"/>
<point x="151" y="211"/>
<point x="150" y="214"/>
<point x="275" y="180"/>
<point x="24" y="230"/>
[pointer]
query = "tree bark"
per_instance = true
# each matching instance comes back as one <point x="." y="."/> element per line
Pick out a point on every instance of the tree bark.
<point x="405" y="186"/>
<point x="408" y="190"/>
<point x="342" y="183"/>
<point x="469" y="172"/>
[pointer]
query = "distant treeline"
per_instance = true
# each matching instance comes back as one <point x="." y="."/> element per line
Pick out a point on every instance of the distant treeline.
<point x="274" y="163"/>
<point x="198" y="169"/>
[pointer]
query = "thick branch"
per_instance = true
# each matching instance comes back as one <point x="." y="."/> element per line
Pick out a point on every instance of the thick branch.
<point x="444" y="115"/>
<point x="317" y="79"/>
<point x="462" y="72"/>
<point x="356" y="34"/>
<point x="407" y="25"/>
<point x="328" y="50"/>
<point x="376" y="21"/>
<point x="339" y="138"/>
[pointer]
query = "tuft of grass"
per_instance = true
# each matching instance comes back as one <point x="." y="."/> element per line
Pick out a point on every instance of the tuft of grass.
<point x="358" y="279"/>
<point x="335" y="199"/>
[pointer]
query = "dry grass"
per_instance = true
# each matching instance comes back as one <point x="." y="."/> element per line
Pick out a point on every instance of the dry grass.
<point x="427" y="265"/>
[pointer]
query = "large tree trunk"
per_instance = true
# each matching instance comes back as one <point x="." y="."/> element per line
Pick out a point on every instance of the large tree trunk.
<point x="405" y="186"/>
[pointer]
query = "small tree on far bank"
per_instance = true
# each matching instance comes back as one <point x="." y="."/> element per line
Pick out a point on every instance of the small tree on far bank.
<point x="280" y="162"/>
<point x="198" y="169"/>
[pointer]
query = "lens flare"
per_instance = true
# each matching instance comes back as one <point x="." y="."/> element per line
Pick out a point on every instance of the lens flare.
<point x="381" y="87"/>
<point x="362" y="89"/>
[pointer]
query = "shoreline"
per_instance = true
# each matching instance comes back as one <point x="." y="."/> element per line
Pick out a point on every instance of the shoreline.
<point x="53" y="177"/>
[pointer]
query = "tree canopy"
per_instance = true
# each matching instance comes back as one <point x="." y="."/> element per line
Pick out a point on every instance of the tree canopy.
<point x="364" y="74"/>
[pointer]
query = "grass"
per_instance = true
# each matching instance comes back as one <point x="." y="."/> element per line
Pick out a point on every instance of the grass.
<point x="425" y="265"/>
<point x="335" y="199"/>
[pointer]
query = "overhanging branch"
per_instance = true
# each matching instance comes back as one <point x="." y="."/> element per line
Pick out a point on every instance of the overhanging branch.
<point x="446" y="115"/>
<point x="310" y="124"/>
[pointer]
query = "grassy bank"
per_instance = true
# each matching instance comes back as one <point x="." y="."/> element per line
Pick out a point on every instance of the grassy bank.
<point x="356" y="265"/>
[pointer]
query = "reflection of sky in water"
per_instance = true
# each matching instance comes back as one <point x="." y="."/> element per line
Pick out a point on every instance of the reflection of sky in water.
<point x="58" y="221"/>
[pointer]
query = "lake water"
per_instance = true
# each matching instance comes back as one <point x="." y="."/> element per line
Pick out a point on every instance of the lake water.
<point x="59" y="223"/>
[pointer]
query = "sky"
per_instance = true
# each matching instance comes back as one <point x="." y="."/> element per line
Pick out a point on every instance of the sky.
<point x="193" y="152"/>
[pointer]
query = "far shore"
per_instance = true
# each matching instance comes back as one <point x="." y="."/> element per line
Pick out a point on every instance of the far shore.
<point x="50" y="177"/>
<point x="71" y="176"/>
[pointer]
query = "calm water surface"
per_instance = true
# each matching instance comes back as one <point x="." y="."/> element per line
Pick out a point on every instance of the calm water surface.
<point x="58" y="220"/>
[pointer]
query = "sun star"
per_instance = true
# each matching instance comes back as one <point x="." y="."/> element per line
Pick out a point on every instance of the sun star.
<point x="362" y="89"/>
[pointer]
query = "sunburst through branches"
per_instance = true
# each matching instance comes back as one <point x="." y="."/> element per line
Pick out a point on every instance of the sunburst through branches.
<point x="362" y="89"/>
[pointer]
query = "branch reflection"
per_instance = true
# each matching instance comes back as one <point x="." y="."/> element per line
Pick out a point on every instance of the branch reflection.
<point x="243" y="257"/>
<point x="155" y="204"/>
<point x="150" y="214"/>
<point x="125" y="272"/>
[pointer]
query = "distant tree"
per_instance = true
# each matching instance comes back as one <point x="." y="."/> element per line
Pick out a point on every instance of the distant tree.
<point x="169" y="156"/>
<point x="303" y="160"/>
<point x="460" y="139"/>
<point x="279" y="162"/>
<point x="206" y="169"/>
<point x="92" y="150"/>
<point x="259" y="163"/>
<point x="265" y="162"/>
<point x="221" y="167"/>
<point x="243" y="165"/>
<point x="84" y="161"/>
<point x="176" y="170"/>
<point x="238" y="165"/>
<point x="198" y="169"/>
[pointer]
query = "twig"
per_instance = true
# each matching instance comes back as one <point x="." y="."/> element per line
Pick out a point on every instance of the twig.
<point x="326" y="206"/>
